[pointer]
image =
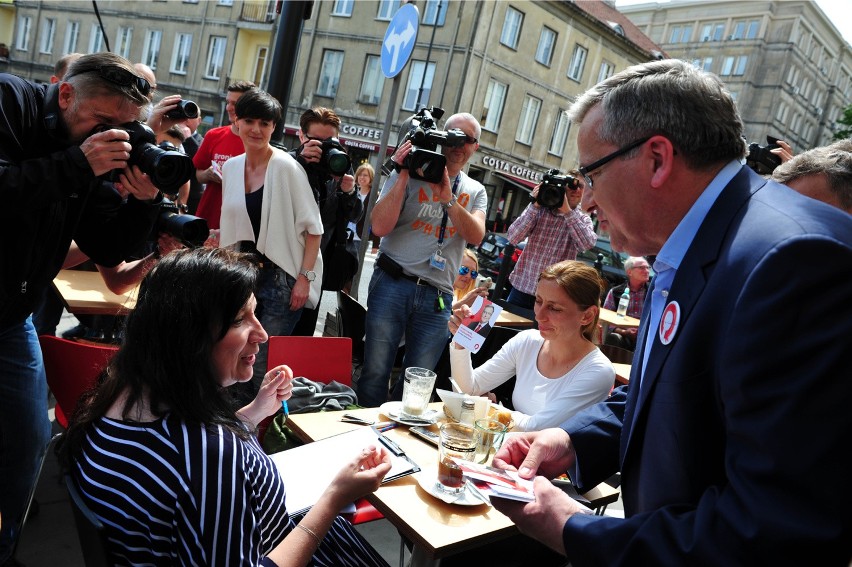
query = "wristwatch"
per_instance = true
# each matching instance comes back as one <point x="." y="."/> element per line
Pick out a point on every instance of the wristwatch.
<point x="310" y="275"/>
<point x="449" y="205"/>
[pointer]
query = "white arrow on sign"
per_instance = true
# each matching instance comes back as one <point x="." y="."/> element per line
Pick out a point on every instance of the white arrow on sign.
<point x="396" y="41"/>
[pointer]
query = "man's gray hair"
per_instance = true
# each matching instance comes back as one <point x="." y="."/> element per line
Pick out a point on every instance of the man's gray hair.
<point x="631" y="261"/>
<point x="672" y="98"/>
<point x="88" y="84"/>
<point x="833" y="161"/>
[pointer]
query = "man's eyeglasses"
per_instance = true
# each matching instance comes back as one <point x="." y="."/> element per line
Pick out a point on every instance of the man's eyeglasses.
<point x="464" y="270"/>
<point x="120" y="77"/>
<point x="585" y="171"/>
<point x="470" y="140"/>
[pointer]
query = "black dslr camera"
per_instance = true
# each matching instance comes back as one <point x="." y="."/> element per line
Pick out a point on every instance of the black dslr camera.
<point x="423" y="161"/>
<point x="760" y="159"/>
<point x="335" y="159"/>
<point x="551" y="193"/>
<point x="184" y="109"/>
<point x="190" y="230"/>
<point x="168" y="169"/>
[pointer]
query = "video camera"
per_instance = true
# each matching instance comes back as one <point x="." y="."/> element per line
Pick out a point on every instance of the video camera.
<point x="760" y="159"/>
<point x="423" y="161"/>
<point x="335" y="159"/>
<point x="551" y="193"/>
<point x="191" y="230"/>
<point x="168" y="169"/>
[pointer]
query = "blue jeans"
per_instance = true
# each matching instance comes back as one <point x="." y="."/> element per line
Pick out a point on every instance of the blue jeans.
<point x="274" y="287"/>
<point x="24" y="427"/>
<point x="521" y="299"/>
<point x="396" y="308"/>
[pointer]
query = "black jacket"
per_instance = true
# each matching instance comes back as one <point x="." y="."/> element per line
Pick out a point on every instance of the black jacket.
<point x="51" y="196"/>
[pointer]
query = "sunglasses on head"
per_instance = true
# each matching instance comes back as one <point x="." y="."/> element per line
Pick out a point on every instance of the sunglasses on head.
<point x="464" y="270"/>
<point x="120" y="77"/>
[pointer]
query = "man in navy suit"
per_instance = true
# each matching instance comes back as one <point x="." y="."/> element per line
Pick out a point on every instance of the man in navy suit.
<point x="734" y="431"/>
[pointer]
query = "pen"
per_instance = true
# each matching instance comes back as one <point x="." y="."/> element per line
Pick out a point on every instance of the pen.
<point x="391" y="446"/>
<point x="284" y="405"/>
<point x="387" y="427"/>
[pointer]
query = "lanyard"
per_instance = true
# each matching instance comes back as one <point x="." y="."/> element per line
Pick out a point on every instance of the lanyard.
<point x="446" y="215"/>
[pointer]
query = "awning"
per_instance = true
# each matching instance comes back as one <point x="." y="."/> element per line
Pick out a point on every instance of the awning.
<point x="524" y="184"/>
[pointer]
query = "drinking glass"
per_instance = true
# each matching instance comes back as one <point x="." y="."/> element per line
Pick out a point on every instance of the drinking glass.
<point x="489" y="437"/>
<point x="417" y="391"/>
<point x="459" y="441"/>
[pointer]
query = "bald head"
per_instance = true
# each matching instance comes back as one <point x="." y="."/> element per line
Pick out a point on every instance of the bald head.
<point x="148" y="74"/>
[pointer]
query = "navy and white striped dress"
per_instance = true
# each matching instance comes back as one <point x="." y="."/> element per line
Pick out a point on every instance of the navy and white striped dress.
<point x="172" y="493"/>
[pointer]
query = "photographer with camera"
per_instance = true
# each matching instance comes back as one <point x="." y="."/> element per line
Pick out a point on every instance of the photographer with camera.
<point x="56" y="141"/>
<point x="425" y="225"/>
<point x="329" y="171"/>
<point x="556" y="229"/>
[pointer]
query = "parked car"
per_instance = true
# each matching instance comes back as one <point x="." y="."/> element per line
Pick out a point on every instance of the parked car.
<point x="612" y="262"/>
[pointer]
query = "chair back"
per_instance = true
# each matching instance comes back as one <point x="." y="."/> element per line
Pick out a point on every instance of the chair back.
<point x="72" y="368"/>
<point x="321" y="359"/>
<point x="90" y="530"/>
<point x="351" y="322"/>
<point x="617" y="354"/>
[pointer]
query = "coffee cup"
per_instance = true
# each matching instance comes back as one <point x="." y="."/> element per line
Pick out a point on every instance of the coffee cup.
<point x="417" y="391"/>
<point x="458" y="441"/>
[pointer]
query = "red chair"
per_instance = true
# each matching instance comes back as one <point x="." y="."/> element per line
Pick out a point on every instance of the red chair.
<point x="321" y="359"/>
<point x="72" y="368"/>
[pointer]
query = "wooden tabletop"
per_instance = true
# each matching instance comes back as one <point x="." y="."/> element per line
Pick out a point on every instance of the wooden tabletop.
<point x="622" y="373"/>
<point x="612" y="318"/>
<point x="509" y="319"/>
<point x="85" y="293"/>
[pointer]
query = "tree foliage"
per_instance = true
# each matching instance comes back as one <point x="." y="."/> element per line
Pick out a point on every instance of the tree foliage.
<point x="846" y="121"/>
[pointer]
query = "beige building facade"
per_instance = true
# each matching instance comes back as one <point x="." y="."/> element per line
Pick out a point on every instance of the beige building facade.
<point x="784" y="61"/>
<point x="515" y="65"/>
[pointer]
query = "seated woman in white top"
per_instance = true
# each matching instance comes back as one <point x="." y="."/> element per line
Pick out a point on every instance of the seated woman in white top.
<point x="559" y="370"/>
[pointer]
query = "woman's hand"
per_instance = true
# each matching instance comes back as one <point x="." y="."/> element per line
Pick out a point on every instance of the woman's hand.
<point x="471" y="296"/>
<point x="361" y="476"/>
<point x="299" y="293"/>
<point x="456" y="318"/>
<point x="277" y="386"/>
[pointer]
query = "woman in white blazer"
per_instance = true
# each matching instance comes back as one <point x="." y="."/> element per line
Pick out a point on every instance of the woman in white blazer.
<point x="268" y="209"/>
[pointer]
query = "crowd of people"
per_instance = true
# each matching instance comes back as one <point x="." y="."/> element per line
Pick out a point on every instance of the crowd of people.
<point x="700" y="436"/>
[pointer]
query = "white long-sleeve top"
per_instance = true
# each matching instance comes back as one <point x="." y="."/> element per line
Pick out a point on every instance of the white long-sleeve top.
<point x="540" y="402"/>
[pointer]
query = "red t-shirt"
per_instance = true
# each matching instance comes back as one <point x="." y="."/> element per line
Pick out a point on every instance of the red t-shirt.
<point x="219" y="145"/>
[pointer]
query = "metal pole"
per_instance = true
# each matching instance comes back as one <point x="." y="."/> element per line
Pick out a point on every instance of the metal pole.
<point x="374" y="191"/>
<point x="428" y="54"/>
<point x="284" y="57"/>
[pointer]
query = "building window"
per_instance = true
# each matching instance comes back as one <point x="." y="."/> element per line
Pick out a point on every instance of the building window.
<point x="122" y="41"/>
<point x="48" y="33"/>
<point x="712" y="32"/>
<point x="226" y="2"/>
<point x="342" y="8"/>
<point x="492" y="111"/>
<point x="151" y="49"/>
<point x="22" y="36"/>
<point x="180" y="55"/>
<point x="372" y="81"/>
<point x="727" y="66"/>
<point x="431" y="12"/>
<point x="332" y="64"/>
<point x="781" y="115"/>
<point x="742" y="61"/>
<point x="546" y="43"/>
<point x="215" y="56"/>
<point x="387" y="9"/>
<point x="560" y="134"/>
<point x="705" y="64"/>
<point x="753" y="29"/>
<point x="739" y="30"/>
<point x="413" y="99"/>
<point x="511" y="28"/>
<point x="72" y="35"/>
<point x="578" y="61"/>
<point x="260" y="64"/>
<point x="529" y="118"/>
<point x="607" y="70"/>
<point x="681" y="34"/>
<point x="96" y="39"/>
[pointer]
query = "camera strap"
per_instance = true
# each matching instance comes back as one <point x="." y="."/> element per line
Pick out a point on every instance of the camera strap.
<point x="446" y="215"/>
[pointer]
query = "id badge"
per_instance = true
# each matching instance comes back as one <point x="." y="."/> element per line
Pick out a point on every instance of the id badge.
<point x="437" y="261"/>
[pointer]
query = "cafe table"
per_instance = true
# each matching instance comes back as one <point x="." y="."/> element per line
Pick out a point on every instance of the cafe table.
<point x="509" y="319"/>
<point x="609" y="319"/>
<point x="85" y="293"/>
<point x="437" y="529"/>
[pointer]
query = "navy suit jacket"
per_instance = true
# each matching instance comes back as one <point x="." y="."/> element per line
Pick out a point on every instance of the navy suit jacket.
<point x="735" y="449"/>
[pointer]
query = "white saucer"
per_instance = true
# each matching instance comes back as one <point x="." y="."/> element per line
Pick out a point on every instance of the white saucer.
<point x="394" y="409"/>
<point x="429" y="483"/>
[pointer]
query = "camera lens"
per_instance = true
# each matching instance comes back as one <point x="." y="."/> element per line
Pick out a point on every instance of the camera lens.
<point x="338" y="162"/>
<point x="185" y="109"/>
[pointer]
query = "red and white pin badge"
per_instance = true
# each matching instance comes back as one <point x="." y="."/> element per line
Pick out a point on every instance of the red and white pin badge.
<point x="669" y="322"/>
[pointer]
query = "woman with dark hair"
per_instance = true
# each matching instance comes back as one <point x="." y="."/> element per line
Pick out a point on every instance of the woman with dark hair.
<point x="559" y="369"/>
<point x="268" y="208"/>
<point x="175" y="475"/>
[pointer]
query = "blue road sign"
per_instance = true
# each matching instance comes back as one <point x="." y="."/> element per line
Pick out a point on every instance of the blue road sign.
<point x="399" y="40"/>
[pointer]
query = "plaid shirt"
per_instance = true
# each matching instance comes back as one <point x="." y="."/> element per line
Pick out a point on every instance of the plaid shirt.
<point x="553" y="237"/>
<point x="637" y="299"/>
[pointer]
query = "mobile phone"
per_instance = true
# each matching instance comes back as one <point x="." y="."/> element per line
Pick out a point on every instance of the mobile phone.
<point x="483" y="281"/>
<point x="425" y="434"/>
